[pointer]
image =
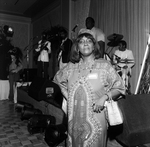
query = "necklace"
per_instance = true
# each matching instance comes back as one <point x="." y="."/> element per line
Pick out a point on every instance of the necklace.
<point x="85" y="68"/>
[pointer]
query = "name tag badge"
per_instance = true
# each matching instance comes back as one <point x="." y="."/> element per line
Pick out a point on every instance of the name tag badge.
<point x="93" y="76"/>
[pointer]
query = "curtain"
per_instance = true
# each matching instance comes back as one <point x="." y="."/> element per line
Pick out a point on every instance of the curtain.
<point x="79" y="10"/>
<point x="130" y="18"/>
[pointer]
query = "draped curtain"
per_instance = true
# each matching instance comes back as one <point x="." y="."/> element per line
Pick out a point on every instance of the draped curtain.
<point x="130" y="18"/>
<point x="79" y="12"/>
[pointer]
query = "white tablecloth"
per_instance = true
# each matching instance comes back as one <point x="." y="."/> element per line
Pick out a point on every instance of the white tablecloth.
<point x="4" y="89"/>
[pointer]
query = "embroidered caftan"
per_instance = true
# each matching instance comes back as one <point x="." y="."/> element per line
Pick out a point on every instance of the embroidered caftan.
<point x="85" y="127"/>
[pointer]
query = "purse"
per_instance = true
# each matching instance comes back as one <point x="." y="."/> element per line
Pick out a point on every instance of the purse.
<point x="114" y="114"/>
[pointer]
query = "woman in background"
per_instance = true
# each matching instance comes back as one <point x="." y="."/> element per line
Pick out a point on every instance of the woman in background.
<point x="14" y="69"/>
<point x="87" y="81"/>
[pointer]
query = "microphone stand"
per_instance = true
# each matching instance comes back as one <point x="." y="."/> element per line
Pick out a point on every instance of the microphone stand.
<point x="27" y="58"/>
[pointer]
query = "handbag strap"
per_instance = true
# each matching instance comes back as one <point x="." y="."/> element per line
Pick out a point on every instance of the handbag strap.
<point x="109" y="96"/>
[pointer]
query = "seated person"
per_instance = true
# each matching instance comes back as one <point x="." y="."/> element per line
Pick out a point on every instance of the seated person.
<point x="123" y="61"/>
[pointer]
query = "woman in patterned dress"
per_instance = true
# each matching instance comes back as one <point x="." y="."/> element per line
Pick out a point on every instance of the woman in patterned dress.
<point x="87" y="81"/>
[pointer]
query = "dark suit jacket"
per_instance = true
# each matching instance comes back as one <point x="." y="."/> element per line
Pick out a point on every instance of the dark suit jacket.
<point x="66" y="50"/>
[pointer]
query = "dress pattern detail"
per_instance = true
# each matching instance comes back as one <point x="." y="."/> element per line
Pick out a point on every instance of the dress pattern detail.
<point x="86" y="130"/>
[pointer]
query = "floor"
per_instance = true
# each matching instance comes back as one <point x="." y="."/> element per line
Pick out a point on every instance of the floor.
<point x="13" y="131"/>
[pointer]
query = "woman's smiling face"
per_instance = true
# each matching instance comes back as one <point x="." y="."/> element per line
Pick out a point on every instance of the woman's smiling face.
<point x="86" y="46"/>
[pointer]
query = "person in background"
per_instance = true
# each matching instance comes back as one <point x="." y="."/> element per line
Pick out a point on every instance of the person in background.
<point x="43" y="50"/>
<point x="123" y="61"/>
<point x="6" y="34"/>
<point x="14" y="71"/>
<point x="86" y="82"/>
<point x="98" y="33"/>
<point x="64" y="50"/>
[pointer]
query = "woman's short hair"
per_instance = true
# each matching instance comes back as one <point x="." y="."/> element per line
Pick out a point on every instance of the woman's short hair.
<point x="75" y="54"/>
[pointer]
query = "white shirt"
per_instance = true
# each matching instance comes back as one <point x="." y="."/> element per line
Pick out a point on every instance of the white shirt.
<point x="124" y="55"/>
<point x="98" y="34"/>
<point x="44" y="54"/>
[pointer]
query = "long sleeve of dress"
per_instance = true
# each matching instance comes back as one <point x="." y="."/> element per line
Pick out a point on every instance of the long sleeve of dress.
<point x="61" y="78"/>
<point x="114" y="80"/>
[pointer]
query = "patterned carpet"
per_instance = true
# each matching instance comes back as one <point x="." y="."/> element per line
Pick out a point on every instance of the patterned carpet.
<point x="13" y="131"/>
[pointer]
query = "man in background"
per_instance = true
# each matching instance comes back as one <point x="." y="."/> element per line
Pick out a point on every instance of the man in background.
<point x="43" y="50"/>
<point x="64" y="50"/>
<point x="98" y="33"/>
<point x="123" y="60"/>
<point x="6" y="34"/>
